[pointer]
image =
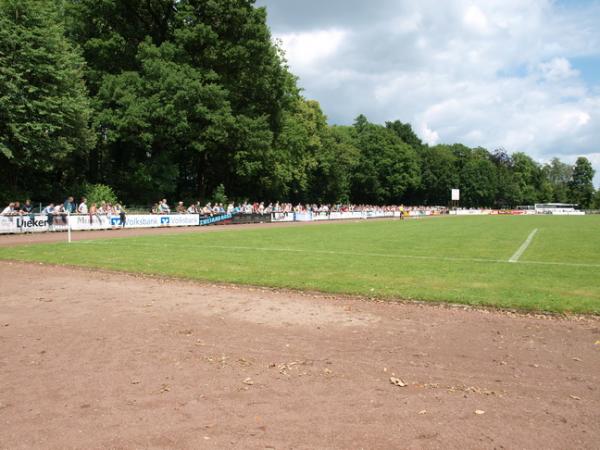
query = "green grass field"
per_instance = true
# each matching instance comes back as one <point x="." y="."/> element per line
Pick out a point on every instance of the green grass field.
<point x="461" y="260"/>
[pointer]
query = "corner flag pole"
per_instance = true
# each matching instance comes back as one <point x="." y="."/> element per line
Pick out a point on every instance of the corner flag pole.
<point x="69" y="227"/>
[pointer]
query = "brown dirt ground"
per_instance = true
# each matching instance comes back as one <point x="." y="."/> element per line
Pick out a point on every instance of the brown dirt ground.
<point x="93" y="359"/>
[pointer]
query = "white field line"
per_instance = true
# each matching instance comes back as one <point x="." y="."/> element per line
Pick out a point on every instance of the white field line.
<point x="515" y="258"/>
<point x="344" y="253"/>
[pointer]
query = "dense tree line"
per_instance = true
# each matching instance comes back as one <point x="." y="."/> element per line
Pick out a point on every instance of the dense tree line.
<point x="177" y="98"/>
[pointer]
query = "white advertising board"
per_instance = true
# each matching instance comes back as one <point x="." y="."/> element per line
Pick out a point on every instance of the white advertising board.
<point x="39" y="222"/>
<point x="471" y="212"/>
<point x="89" y="222"/>
<point x="455" y="195"/>
<point x="31" y="224"/>
<point x="282" y="217"/>
<point x="153" y="220"/>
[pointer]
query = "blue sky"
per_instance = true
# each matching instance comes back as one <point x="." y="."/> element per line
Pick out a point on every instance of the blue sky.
<point x="521" y="75"/>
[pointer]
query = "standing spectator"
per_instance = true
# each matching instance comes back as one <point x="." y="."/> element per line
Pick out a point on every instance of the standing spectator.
<point x="69" y="205"/>
<point x="94" y="212"/>
<point x="122" y="214"/>
<point x="17" y="209"/>
<point x="9" y="210"/>
<point x="164" y="207"/>
<point x="82" y="208"/>
<point x="59" y="216"/>
<point x="27" y="209"/>
<point x="49" y="212"/>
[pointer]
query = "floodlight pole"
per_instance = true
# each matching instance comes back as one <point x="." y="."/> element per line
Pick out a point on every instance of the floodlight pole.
<point x="69" y="227"/>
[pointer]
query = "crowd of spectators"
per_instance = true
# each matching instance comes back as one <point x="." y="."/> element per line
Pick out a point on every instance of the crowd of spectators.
<point x="262" y="208"/>
<point x="56" y="212"/>
<point x="18" y="209"/>
<point x="96" y="210"/>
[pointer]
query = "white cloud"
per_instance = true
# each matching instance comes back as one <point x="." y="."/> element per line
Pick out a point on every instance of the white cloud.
<point x="557" y="69"/>
<point x="429" y="136"/>
<point x="306" y="49"/>
<point x="495" y="73"/>
<point x="476" y="20"/>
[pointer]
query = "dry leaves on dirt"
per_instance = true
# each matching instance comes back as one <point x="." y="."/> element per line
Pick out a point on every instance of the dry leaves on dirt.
<point x="397" y="382"/>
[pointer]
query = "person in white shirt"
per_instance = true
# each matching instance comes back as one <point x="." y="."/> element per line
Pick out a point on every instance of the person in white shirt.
<point x="164" y="207"/>
<point x="9" y="210"/>
<point x="49" y="211"/>
<point x="82" y="208"/>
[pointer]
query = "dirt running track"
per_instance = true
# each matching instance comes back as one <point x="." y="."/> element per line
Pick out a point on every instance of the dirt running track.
<point x="100" y="360"/>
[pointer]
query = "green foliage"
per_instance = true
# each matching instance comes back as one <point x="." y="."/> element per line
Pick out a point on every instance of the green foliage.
<point x="98" y="193"/>
<point x="177" y="98"/>
<point x="219" y="195"/>
<point x="405" y="132"/>
<point x="596" y="202"/>
<point x="478" y="180"/>
<point x="581" y="187"/>
<point x="439" y="175"/>
<point x="44" y="108"/>
<point x="558" y="175"/>
<point x="388" y="168"/>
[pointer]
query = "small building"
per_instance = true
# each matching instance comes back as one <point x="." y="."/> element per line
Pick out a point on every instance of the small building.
<point x="560" y="209"/>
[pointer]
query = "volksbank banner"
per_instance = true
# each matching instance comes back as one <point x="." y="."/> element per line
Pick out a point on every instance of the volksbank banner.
<point x="154" y="221"/>
<point x="40" y="222"/>
<point x="103" y="222"/>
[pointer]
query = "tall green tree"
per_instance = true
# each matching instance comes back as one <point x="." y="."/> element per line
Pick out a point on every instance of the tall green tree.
<point x="508" y="190"/>
<point x="388" y="168"/>
<point x="405" y="132"/>
<point x="581" y="186"/>
<point x="596" y="202"/>
<point x="337" y="161"/>
<point x="527" y="176"/>
<point x="559" y="175"/>
<point x="44" y="108"/>
<point x="438" y="175"/>
<point x="226" y="47"/>
<point x="478" y="178"/>
<point x="162" y="124"/>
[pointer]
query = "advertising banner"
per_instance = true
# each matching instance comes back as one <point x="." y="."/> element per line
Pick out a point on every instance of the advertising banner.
<point x="240" y="219"/>
<point x="34" y="223"/>
<point x="214" y="220"/>
<point x="153" y="220"/>
<point x="282" y="217"/>
<point x="303" y="217"/>
<point x="471" y="212"/>
<point x="90" y="222"/>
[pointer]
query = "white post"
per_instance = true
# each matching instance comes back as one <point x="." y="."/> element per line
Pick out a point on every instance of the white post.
<point x="69" y="227"/>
